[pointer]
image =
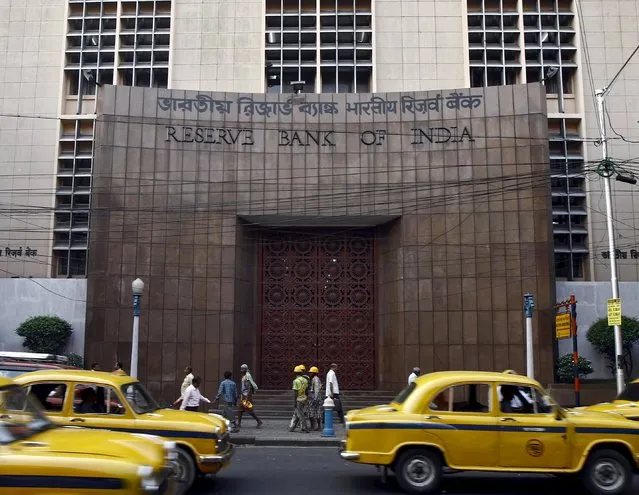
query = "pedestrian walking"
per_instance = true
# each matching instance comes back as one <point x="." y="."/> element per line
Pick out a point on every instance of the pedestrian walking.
<point x="315" y="406"/>
<point x="192" y="396"/>
<point x="188" y="379"/>
<point x="228" y="392"/>
<point x="332" y="391"/>
<point x="300" y="385"/>
<point x="413" y="376"/>
<point x="118" y="369"/>
<point x="248" y="388"/>
<point x="294" y="419"/>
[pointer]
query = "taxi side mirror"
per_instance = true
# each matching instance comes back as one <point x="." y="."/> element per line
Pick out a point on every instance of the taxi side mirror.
<point x="559" y="414"/>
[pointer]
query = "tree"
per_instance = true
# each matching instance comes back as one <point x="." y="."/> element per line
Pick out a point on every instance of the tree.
<point x="47" y="334"/>
<point x="602" y="338"/>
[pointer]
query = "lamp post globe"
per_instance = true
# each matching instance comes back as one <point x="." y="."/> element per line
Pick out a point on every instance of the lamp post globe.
<point x="138" y="287"/>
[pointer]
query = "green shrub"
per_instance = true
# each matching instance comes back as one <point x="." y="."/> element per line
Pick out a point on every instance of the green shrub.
<point x="47" y="334"/>
<point x="565" y="368"/>
<point x="75" y="360"/>
<point x="602" y="338"/>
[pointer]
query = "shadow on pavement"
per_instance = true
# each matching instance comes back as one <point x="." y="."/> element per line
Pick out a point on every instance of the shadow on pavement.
<point x="459" y="484"/>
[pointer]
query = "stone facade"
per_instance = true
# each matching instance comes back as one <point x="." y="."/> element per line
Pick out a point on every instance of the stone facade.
<point x="458" y="198"/>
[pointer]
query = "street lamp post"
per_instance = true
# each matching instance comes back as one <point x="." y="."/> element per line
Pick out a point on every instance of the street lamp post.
<point x="529" y="304"/>
<point x="137" y="287"/>
<point x="608" y="170"/>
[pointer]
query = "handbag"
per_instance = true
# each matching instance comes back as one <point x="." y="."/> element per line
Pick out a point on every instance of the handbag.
<point x="246" y="404"/>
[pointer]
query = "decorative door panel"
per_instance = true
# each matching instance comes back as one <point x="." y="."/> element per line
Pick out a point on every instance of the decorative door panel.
<point x="318" y="306"/>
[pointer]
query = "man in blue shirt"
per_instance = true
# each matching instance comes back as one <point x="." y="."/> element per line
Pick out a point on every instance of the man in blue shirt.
<point x="228" y="391"/>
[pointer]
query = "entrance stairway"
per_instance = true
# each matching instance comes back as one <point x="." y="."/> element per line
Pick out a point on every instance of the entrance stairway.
<point x="278" y="404"/>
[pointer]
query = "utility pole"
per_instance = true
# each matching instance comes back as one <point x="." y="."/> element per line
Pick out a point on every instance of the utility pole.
<point x="529" y="304"/>
<point x="607" y="171"/>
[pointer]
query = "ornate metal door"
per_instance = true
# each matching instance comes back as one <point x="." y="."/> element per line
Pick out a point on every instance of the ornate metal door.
<point x="318" y="306"/>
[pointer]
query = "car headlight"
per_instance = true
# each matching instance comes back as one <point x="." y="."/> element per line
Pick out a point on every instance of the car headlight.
<point x="149" y="481"/>
<point x="170" y="449"/>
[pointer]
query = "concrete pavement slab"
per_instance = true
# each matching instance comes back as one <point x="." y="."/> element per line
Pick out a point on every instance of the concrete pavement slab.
<point x="274" y="432"/>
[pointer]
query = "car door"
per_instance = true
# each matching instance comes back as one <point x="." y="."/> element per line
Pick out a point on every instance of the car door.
<point x="531" y="436"/>
<point x="463" y="418"/>
<point x="99" y="406"/>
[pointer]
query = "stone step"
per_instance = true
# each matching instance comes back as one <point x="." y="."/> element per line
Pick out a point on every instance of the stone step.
<point x="277" y="404"/>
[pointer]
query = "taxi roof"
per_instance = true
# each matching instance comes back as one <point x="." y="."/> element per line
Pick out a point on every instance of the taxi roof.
<point x="489" y="376"/>
<point x="97" y="377"/>
<point x="5" y="382"/>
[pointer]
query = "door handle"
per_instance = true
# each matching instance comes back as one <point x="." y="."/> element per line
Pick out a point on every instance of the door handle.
<point x="77" y="420"/>
<point x="432" y="417"/>
<point x="505" y="420"/>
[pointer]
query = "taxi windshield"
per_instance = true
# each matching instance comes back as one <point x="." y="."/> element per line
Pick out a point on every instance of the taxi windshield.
<point x="20" y="416"/>
<point x="139" y="398"/>
<point x="631" y="393"/>
<point x="403" y="395"/>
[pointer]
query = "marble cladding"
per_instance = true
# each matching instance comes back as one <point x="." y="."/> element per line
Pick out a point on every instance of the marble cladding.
<point x="461" y="218"/>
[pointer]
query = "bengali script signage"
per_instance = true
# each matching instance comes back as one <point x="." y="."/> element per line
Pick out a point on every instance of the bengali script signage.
<point x="375" y="106"/>
<point x="9" y="252"/>
<point x="621" y="255"/>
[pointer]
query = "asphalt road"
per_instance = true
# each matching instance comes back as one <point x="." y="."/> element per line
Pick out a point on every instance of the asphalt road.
<point x="319" y="470"/>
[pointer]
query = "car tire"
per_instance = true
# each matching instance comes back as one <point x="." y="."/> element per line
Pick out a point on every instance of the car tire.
<point x="419" y="471"/>
<point x="607" y="472"/>
<point x="186" y="472"/>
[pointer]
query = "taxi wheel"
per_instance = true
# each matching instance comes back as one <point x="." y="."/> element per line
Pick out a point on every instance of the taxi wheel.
<point x="419" y="471"/>
<point x="608" y="472"/>
<point x="185" y="472"/>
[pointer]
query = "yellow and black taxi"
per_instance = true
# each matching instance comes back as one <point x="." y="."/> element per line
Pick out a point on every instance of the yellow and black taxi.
<point x="626" y="403"/>
<point x="483" y="421"/>
<point x="36" y="456"/>
<point x="94" y="399"/>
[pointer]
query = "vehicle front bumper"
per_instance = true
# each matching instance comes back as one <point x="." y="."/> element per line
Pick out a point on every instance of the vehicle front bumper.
<point x="222" y="458"/>
<point x="345" y="454"/>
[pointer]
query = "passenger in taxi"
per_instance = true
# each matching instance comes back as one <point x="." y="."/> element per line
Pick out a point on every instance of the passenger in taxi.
<point x="441" y="402"/>
<point x="508" y="393"/>
<point x="89" y="404"/>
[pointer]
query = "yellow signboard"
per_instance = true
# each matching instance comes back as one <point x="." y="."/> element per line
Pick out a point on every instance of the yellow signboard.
<point x="614" y="312"/>
<point x="562" y="326"/>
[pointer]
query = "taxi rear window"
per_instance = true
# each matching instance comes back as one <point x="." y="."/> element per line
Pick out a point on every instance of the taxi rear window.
<point x="403" y="395"/>
<point x="631" y="393"/>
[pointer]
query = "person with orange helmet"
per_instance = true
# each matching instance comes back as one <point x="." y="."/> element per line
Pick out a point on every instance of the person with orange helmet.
<point x="315" y="406"/>
<point x="301" y="400"/>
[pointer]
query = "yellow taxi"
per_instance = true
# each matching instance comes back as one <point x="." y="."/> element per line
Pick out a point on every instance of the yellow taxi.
<point x="101" y="400"/>
<point x="483" y="421"/>
<point x="38" y="457"/>
<point x="626" y="403"/>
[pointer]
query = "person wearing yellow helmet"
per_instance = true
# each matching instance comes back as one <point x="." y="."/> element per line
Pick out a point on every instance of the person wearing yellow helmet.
<point x="315" y="407"/>
<point x="300" y="400"/>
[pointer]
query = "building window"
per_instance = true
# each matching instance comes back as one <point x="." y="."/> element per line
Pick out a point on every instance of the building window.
<point x="139" y="58"/>
<point x="341" y="34"/>
<point x="497" y="47"/>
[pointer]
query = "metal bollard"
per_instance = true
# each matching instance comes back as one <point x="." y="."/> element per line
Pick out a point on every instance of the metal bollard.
<point x="328" y="430"/>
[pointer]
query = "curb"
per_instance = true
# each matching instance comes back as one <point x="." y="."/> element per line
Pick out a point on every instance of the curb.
<point x="285" y="442"/>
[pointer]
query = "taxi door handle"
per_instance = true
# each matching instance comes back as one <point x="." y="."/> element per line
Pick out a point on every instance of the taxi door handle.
<point x="77" y="420"/>
<point x="504" y="420"/>
<point x="432" y="417"/>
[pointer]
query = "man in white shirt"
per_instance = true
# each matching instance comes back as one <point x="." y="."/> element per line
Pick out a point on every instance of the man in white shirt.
<point x="413" y="376"/>
<point x="332" y="391"/>
<point x="192" y="396"/>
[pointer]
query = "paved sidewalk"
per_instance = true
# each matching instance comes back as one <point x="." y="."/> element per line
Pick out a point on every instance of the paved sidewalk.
<point x="274" y="432"/>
